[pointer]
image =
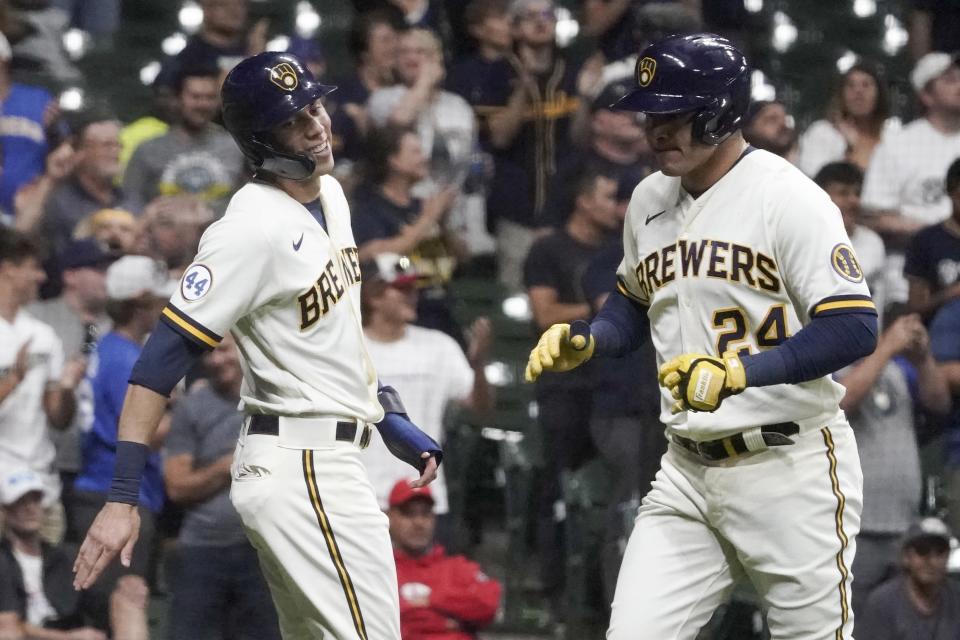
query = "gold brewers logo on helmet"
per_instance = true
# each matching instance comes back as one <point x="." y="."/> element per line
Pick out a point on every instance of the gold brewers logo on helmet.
<point x="284" y="76"/>
<point x="645" y="70"/>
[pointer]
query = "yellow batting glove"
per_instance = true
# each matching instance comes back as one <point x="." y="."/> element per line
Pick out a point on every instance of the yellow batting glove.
<point x="700" y="382"/>
<point x="560" y="349"/>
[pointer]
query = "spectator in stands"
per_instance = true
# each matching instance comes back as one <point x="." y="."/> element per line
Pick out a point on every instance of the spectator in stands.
<point x="30" y="200"/>
<point x="78" y="317"/>
<point x="616" y="146"/>
<point x="222" y="41"/>
<point x="923" y="602"/>
<point x="533" y="99"/>
<point x="387" y="217"/>
<point x="488" y="23"/>
<point x="856" y="119"/>
<point x="91" y="186"/>
<point x="842" y="181"/>
<point x="443" y="120"/>
<point x="903" y="188"/>
<point x="624" y="422"/>
<point x="36" y="385"/>
<point x="216" y="589"/>
<point x="933" y="27"/>
<point x="945" y="344"/>
<point x="27" y="114"/>
<point x="171" y="229"/>
<point x="372" y="43"/>
<point x="885" y="394"/>
<point x="552" y="275"/>
<point x="768" y="126"/>
<point x="414" y="14"/>
<point x="932" y="263"/>
<point x="35" y="577"/>
<point x="194" y="157"/>
<point x="137" y="289"/>
<point x="39" y="44"/>
<point x="428" y="368"/>
<point x="114" y="230"/>
<point x="611" y="22"/>
<point x="99" y="18"/>
<point x="442" y="597"/>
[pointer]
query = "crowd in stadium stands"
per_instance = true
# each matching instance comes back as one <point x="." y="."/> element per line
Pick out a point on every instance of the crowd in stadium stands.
<point x="469" y="143"/>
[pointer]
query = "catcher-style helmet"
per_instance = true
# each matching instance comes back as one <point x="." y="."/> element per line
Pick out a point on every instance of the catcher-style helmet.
<point x="701" y="72"/>
<point x="260" y="93"/>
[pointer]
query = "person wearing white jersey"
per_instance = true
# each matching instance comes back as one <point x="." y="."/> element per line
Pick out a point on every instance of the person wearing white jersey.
<point x="427" y="366"/>
<point x="740" y="267"/>
<point x="280" y="272"/>
<point x="903" y="187"/>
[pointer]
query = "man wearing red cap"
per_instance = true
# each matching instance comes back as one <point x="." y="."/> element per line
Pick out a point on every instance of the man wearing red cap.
<point x="442" y="597"/>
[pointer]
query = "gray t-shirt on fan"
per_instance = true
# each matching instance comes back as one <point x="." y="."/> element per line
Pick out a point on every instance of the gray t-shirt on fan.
<point x="890" y="615"/>
<point x="206" y="425"/>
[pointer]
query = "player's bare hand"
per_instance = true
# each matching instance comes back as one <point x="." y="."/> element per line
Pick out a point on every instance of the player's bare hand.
<point x="429" y="473"/>
<point x="700" y="382"/>
<point x="438" y="205"/>
<point x="114" y="531"/>
<point x="562" y="347"/>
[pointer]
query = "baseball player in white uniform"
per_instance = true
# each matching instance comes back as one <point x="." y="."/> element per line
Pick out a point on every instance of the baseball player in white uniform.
<point x="280" y="272"/>
<point x="743" y="271"/>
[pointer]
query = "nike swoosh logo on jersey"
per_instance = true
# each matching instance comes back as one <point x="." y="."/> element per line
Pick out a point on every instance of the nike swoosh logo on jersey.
<point x="656" y="215"/>
<point x="296" y="245"/>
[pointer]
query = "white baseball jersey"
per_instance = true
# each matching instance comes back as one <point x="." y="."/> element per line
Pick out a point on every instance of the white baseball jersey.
<point x="290" y="294"/>
<point x="742" y="267"/>
<point x="24" y="433"/>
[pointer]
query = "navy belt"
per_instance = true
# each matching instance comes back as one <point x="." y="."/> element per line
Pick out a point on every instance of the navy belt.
<point x="267" y="425"/>
<point x="774" y="435"/>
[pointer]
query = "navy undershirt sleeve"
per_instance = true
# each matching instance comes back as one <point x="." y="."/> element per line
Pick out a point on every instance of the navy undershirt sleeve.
<point x="166" y="358"/>
<point x="827" y="344"/>
<point x="620" y="326"/>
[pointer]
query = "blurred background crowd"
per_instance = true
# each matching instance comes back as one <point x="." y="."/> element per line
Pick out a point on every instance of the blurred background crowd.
<point x="488" y="179"/>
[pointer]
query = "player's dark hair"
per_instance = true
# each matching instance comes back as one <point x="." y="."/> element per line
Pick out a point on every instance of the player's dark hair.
<point x="194" y="71"/>
<point x="358" y="39"/>
<point x="881" y="108"/>
<point x="953" y="176"/>
<point x="381" y="144"/>
<point x="16" y="246"/>
<point x="838" y="173"/>
<point x="479" y="10"/>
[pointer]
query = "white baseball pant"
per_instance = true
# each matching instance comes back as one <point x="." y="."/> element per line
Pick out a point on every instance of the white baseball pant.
<point x="323" y="542"/>
<point x="785" y="518"/>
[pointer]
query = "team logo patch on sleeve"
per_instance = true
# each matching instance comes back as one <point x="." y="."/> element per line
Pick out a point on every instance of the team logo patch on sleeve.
<point x="196" y="282"/>
<point x="845" y="263"/>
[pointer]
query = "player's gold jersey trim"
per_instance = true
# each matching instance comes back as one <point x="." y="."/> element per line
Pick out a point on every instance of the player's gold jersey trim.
<point x="352" y="602"/>
<point x="192" y="328"/>
<point x="841" y="534"/>
<point x="834" y="304"/>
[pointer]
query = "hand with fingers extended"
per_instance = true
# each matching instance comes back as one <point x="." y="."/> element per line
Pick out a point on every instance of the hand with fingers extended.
<point x="700" y="382"/>
<point x="562" y="347"/>
<point x="115" y="530"/>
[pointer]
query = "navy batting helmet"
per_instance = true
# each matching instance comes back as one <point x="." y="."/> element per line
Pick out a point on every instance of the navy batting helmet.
<point x="702" y="72"/>
<point x="260" y="93"/>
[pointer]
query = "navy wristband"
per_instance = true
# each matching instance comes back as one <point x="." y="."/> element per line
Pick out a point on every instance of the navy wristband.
<point x="127" y="471"/>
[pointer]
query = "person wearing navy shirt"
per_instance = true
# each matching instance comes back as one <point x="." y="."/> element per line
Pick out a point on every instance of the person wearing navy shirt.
<point x="137" y="288"/>
<point x="945" y="344"/>
<point x="932" y="262"/>
<point x="24" y="119"/>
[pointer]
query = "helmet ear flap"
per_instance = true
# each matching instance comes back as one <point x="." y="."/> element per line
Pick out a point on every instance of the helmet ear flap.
<point x="709" y="126"/>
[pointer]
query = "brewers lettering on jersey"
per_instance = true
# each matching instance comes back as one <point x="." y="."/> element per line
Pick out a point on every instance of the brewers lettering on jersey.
<point x="742" y="271"/>
<point x="280" y="271"/>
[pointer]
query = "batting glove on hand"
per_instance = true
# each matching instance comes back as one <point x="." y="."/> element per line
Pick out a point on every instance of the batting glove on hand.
<point x="700" y="382"/>
<point x="561" y="347"/>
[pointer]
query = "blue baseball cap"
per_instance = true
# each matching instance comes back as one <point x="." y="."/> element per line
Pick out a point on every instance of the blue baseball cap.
<point x="85" y="253"/>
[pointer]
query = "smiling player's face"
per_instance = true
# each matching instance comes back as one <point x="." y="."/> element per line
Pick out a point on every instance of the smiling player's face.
<point x="671" y="139"/>
<point x="308" y="133"/>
